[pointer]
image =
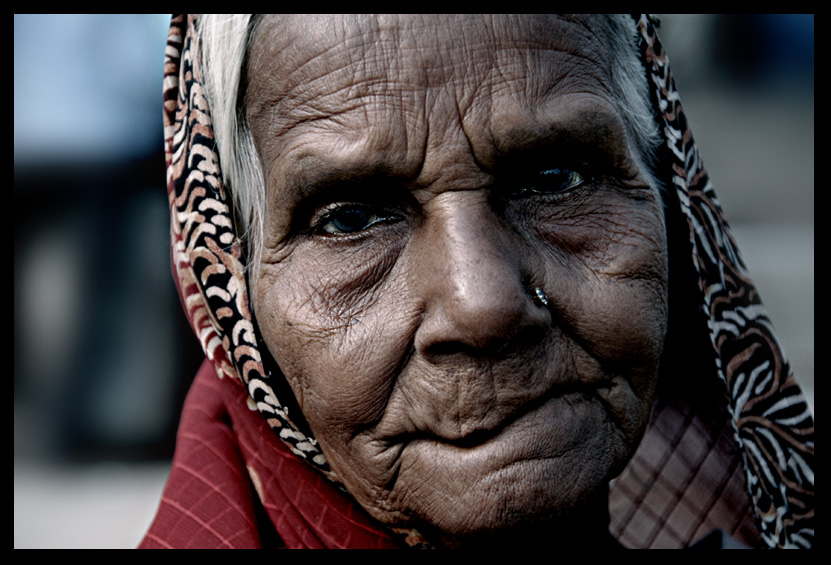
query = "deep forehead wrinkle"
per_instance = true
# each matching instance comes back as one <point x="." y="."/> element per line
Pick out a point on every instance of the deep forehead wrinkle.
<point x="315" y="57"/>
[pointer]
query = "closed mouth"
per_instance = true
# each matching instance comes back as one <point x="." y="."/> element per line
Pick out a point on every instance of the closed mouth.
<point x="479" y="437"/>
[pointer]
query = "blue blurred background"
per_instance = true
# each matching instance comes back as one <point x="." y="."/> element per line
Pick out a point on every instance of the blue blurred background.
<point x="102" y="353"/>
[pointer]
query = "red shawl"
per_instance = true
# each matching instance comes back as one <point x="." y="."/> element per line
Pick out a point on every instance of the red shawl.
<point x="234" y="484"/>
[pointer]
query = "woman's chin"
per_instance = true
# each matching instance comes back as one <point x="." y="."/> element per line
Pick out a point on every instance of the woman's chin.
<point x="549" y="465"/>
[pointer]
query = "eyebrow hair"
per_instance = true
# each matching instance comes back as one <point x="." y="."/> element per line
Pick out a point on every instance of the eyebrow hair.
<point x="319" y="177"/>
<point x="593" y="128"/>
<point x="320" y="173"/>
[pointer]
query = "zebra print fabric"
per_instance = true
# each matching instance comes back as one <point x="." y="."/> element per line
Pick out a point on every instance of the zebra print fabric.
<point x="773" y="426"/>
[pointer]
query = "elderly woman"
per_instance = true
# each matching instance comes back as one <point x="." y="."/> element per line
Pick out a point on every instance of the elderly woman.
<point x="447" y="272"/>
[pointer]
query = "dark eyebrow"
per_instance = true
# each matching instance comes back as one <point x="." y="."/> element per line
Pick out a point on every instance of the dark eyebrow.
<point x="314" y="173"/>
<point x="316" y="180"/>
<point x="592" y="132"/>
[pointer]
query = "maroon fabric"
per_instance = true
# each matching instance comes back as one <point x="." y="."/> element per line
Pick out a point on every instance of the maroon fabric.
<point x="211" y="500"/>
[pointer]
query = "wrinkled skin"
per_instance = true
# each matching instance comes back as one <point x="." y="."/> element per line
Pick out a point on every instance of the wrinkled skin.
<point x="411" y="211"/>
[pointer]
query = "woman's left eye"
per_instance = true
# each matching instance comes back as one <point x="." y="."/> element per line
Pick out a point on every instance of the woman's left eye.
<point x="550" y="181"/>
<point x="345" y="219"/>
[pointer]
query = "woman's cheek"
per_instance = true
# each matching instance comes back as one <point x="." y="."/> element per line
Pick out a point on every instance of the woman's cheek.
<point x="333" y="318"/>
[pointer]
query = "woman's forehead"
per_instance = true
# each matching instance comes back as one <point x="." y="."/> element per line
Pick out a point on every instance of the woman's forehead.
<point x="295" y="37"/>
<point x="303" y="62"/>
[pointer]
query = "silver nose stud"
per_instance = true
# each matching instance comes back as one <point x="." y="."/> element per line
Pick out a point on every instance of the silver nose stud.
<point x="540" y="297"/>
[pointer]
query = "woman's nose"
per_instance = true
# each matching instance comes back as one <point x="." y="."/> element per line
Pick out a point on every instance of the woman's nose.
<point x="478" y="285"/>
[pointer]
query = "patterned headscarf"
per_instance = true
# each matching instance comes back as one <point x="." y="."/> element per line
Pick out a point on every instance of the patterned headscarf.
<point x="739" y="460"/>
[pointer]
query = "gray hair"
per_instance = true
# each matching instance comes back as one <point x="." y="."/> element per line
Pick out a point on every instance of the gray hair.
<point x="224" y="40"/>
<point x="630" y="85"/>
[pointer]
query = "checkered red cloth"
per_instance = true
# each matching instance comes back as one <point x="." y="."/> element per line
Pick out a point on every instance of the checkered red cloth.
<point x="226" y="453"/>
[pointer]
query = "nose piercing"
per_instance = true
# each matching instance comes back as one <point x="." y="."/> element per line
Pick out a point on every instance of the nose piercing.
<point x="540" y="297"/>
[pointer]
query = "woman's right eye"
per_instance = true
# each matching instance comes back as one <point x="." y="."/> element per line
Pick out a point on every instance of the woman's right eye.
<point x="347" y="219"/>
<point x="550" y="181"/>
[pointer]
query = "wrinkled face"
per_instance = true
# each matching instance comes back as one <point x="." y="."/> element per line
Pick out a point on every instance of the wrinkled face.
<point x="423" y="177"/>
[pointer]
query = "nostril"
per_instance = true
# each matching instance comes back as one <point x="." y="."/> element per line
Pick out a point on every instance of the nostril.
<point x="496" y="346"/>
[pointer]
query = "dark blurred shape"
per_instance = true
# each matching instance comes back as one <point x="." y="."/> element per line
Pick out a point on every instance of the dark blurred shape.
<point x="770" y="50"/>
<point x="103" y="354"/>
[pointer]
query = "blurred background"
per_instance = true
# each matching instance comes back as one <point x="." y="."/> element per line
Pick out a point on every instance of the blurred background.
<point x="102" y="353"/>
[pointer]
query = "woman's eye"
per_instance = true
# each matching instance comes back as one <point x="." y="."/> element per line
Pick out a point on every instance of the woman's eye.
<point x="347" y="219"/>
<point x="550" y="181"/>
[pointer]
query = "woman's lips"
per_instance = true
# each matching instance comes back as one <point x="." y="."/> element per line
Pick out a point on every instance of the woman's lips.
<point x="514" y="421"/>
<point x="564" y="431"/>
